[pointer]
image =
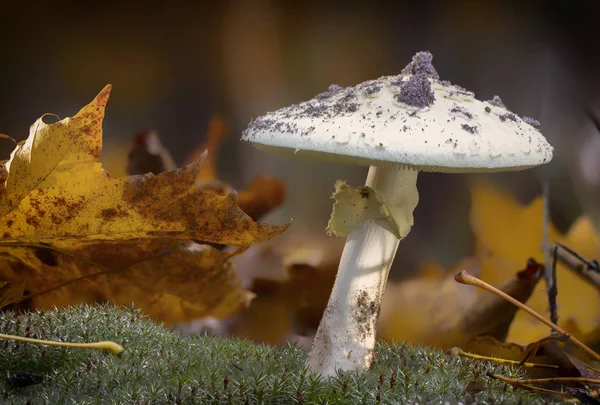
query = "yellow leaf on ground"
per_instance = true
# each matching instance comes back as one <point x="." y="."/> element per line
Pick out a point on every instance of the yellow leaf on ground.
<point x="57" y="188"/>
<point x="63" y="218"/>
<point x="438" y="311"/>
<point x="507" y="234"/>
<point x="173" y="281"/>
<point x="426" y="310"/>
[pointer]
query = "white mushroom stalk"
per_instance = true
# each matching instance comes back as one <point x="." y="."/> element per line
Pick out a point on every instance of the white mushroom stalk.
<point x="346" y="335"/>
<point x="397" y="125"/>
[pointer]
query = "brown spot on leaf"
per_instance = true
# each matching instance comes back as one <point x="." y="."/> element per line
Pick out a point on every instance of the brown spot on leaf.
<point x="32" y="220"/>
<point x="111" y="213"/>
<point x="64" y="210"/>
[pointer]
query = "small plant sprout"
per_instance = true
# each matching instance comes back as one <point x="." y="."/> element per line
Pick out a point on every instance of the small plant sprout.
<point x="397" y="125"/>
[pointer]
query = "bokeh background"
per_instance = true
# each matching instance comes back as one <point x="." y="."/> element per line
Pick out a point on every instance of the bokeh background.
<point x="175" y="65"/>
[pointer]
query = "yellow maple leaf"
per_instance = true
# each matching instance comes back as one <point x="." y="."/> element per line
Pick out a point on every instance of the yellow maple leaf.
<point x="63" y="218"/>
<point x="507" y="234"/>
<point x="56" y="188"/>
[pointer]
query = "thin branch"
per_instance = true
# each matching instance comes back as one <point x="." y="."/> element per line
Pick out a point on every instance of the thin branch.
<point x="4" y="136"/>
<point x="581" y="267"/>
<point x="561" y="380"/>
<point x="457" y="351"/>
<point x="553" y="289"/>
<point x="590" y="265"/>
<point x="519" y="384"/>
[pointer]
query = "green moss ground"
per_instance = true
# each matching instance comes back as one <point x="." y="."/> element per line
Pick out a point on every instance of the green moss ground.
<point x="159" y="366"/>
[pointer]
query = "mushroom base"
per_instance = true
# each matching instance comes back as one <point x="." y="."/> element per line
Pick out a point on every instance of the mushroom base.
<point x="345" y="338"/>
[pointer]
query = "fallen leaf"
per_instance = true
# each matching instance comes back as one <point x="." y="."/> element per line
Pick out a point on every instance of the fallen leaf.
<point x="426" y="310"/>
<point x="124" y="239"/>
<point x="567" y="374"/>
<point x="56" y="189"/>
<point x="3" y="176"/>
<point x="10" y="293"/>
<point x="435" y="310"/>
<point x="507" y="234"/>
<point x="262" y="196"/>
<point x="292" y="278"/>
<point x="215" y="135"/>
<point x="173" y="281"/>
<point x="148" y="155"/>
<point x="491" y="315"/>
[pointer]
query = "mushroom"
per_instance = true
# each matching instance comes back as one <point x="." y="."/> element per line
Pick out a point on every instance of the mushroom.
<point x="397" y="125"/>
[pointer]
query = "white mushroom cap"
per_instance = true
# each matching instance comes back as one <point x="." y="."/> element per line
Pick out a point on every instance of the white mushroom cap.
<point x="412" y="119"/>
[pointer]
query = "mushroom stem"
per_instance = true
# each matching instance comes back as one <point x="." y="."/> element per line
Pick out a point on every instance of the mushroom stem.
<point x="345" y="338"/>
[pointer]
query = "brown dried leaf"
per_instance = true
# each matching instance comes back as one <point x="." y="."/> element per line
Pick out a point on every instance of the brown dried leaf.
<point x="173" y="281"/>
<point x="148" y="155"/>
<point x="57" y="189"/>
<point x="62" y="218"/>
<point x="292" y="279"/>
<point x="491" y="315"/>
<point x="214" y="137"/>
<point x="262" y="195"/>
<point x="10" y="293"/>
<point x="438" y="311"/>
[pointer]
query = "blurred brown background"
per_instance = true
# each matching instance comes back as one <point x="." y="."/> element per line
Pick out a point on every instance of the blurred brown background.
<point x="173" y="65"/>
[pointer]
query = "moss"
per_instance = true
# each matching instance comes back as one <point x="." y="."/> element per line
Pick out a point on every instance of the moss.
<point x="159" y="366"/>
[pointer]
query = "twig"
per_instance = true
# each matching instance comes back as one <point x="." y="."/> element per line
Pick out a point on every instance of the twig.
<point x="465" y="278"/>
<point x="4" y="136"/>
<point x="590" y="265"/>
<point x="104" y="345"/>
<point x="580" y="266"/>
<point x="548" y="277"/>
<point x="457" y="351"/>
<point x="561" y="380"/>
<point x="518" y="383"/>
<point x="553" y="288"/>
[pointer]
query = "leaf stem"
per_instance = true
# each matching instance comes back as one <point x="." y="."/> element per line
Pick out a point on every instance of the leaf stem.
<point x="561" y="380"/>
<point x="115" y="348"/>
<point x="520" y="384"/>
<point x="465" y="278"/>
<point x="456" y="351"/>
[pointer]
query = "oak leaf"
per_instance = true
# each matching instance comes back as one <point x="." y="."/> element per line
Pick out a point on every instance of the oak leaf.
<point x="63" y="218"/>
